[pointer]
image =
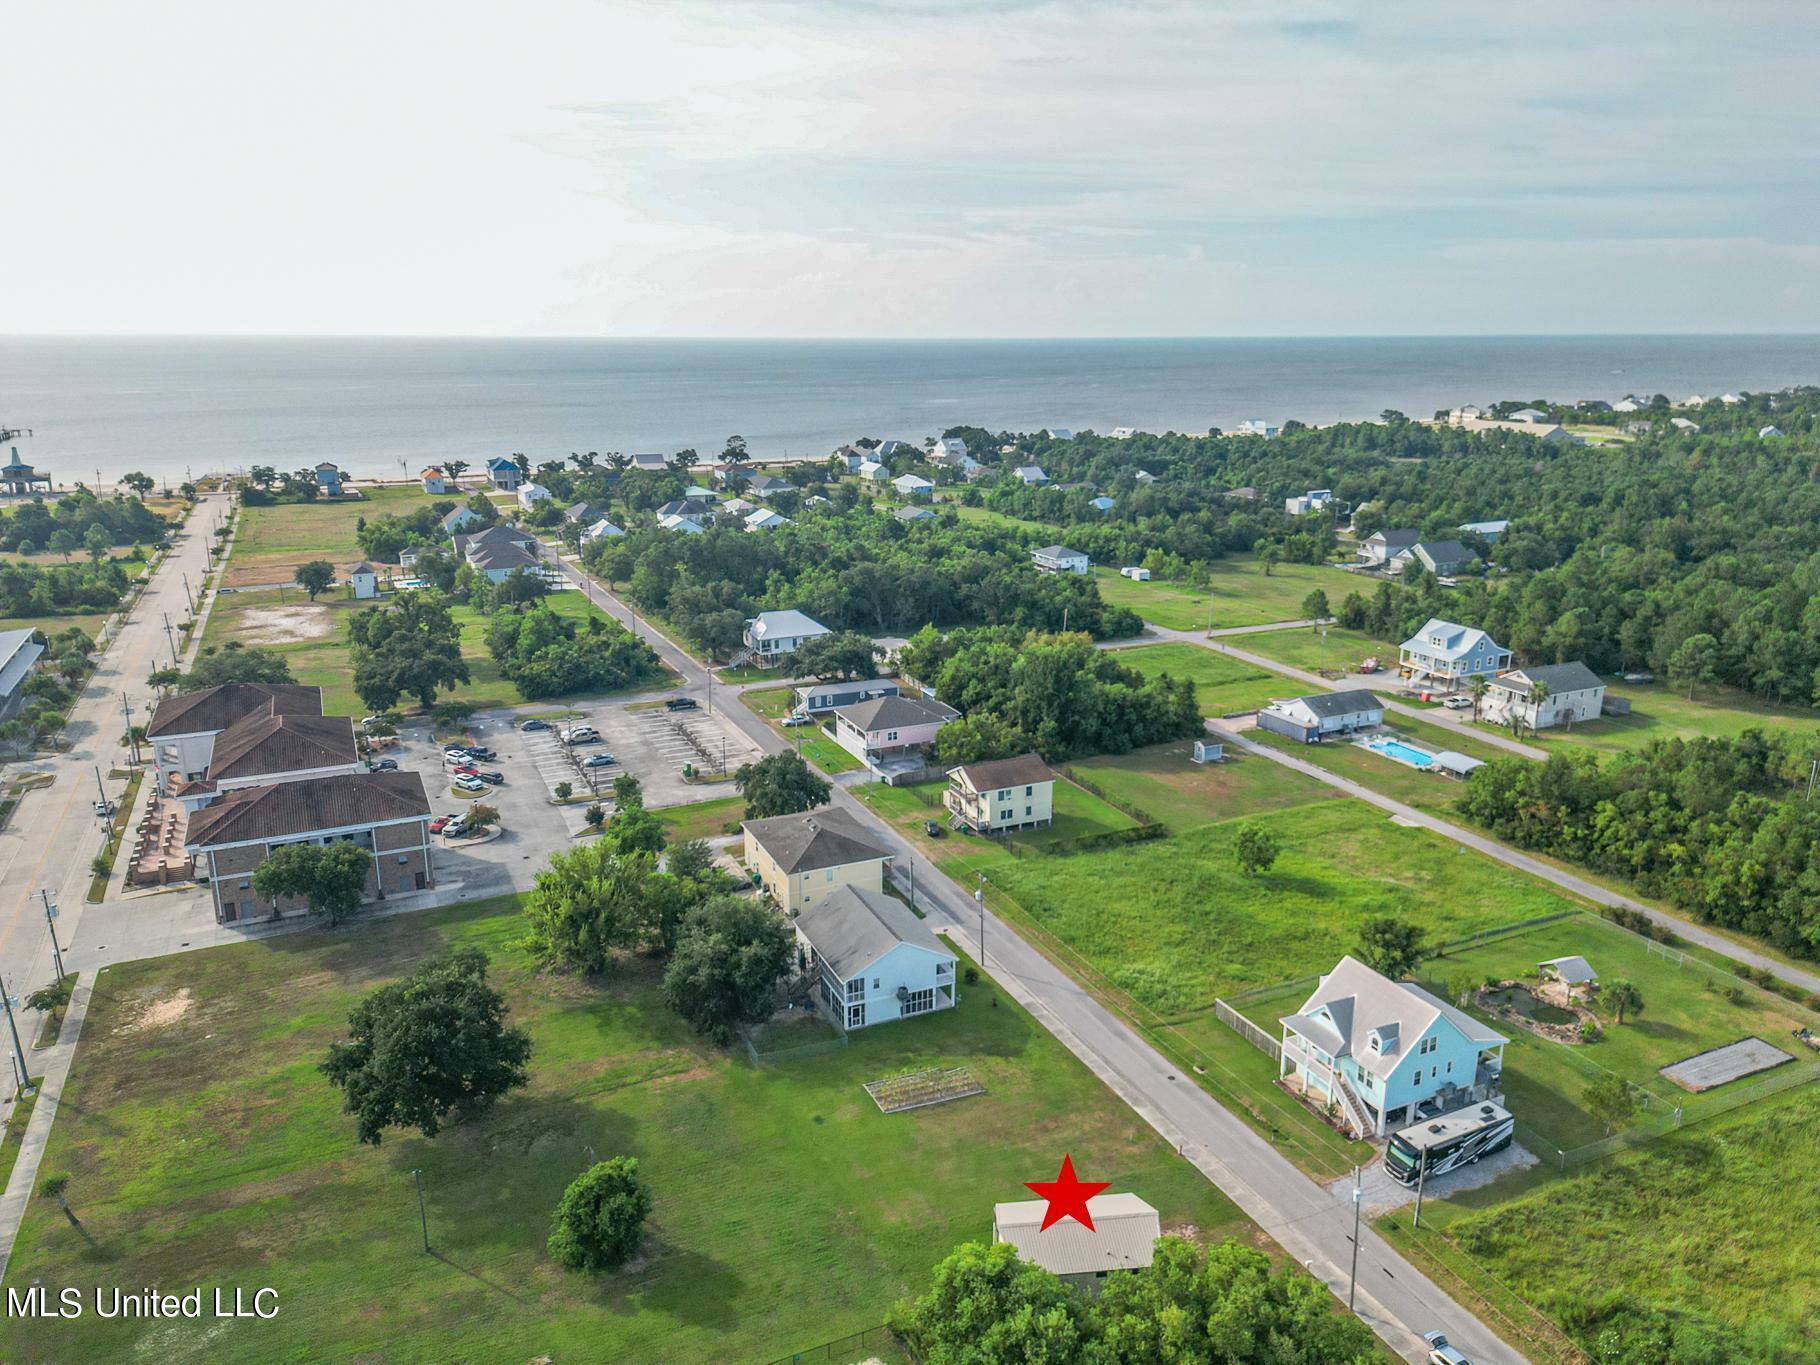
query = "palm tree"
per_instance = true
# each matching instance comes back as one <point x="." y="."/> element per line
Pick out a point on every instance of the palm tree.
<point x="1619" y="995"/>
<point x="584" y="461"/>
<point x="1538" y="693"/>
<point x="1479" y="687"/>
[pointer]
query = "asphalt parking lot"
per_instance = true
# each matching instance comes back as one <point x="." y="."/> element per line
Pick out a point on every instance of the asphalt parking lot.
<point x="650" y="743"/>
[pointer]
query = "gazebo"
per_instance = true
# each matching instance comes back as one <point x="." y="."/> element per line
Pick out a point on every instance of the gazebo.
<point x="18" y="477"/>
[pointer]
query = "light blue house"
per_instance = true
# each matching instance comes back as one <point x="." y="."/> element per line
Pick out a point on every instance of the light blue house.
<point x="1388" y="1053"/>
<point x="1102" y="504"/>
<point x="873" y="961"/>
<point x="328" y="480"/>
<point x="1447" y="653"/>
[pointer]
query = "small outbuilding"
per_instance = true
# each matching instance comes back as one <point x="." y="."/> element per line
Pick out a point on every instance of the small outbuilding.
<point x="1123" y="1237"/>
<point x="1574" y="975"/>
<point x="363" y="578"/>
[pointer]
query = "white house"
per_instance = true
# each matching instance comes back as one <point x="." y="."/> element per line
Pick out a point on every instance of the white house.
<point x="736" y="507"/>
<point x="1768" y="433"/>
<point x="872" y="960"/>
<point x="1731" y="400"/>
<point x="771" y="634"/>
<point x="886" y="449"/>
<point x="913" y="486"/>
<point x="1682" y="424"/>
<point x="689" y="526"/>
<point x="1628" y="405"/>
<point x="1387" y="1052"/>
<point x="458" y="519"/>
<point x="1321" y="714"/>
<point x="1137" y="573"/>
<point x="1314" y="500"/>
<point x="1144" y="476"/>
<point x="530" y="494"/>
<point x="764" y="485"/>
<point x="1468" y="413"/>
<point x="1123" y="433"/>
<point x="19" y="653"/>
<point x="1572" y="692"/>
<point x="436" y="480"/>
<point x="873" y="471"/>
<point x="1123" y="1237"/>
<point x="1257" y="426"/>
<point x="1552" y="432"/>
<point x="1491" y="530"/>
<point x="887" y="726"/>
<point x="504" y="474"/>
<point x="910" y="515"/>
<point x="1450" y="653"/>
<point x="499" y="550"/>
<point x="764" y="519"/>
<point x="651" y="462"/>
<point x="363" y="578"/>
<point x="1530" y="415"/>
<point x="1380" y="547"/>
<point x="1062" y="433"/>
<point x="1031" y="474"/>
<point x="1060" y="559"/>
<point x="600" y="530"/>
<point x="948" y="448"/>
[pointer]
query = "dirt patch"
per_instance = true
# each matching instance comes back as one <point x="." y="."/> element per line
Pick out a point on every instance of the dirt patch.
<point x="286" y="625"/>
<point x="160" y="1013"/>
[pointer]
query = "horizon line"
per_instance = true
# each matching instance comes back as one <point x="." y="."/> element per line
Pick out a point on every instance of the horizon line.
<point x="901" y="340"/>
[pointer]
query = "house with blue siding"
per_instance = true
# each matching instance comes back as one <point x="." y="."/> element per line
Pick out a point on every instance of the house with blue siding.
<point x="1447" y="653"/>
<point x="873" y="961"/>
<point x="1387" y="1052"/>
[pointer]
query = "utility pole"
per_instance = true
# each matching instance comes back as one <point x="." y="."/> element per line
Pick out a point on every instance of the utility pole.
<point x="171" y="637"/>
<point x="186" y="593"/>
<point x="423" y="1219"/>
<point x="99" y="787"/>
<point x="710" y="691"/>
<point x="1357" y="1199"/>
<point x="50" y="920"/>
<point x="126" y="710"/>
<point x="12" y="1024"/>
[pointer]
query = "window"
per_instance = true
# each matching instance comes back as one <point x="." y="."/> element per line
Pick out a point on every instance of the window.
<point x="1026" y="812"/>
<point x="890" y="735"/>
<point x="1450" y="1068"/>
<point x="1029" y="791"/>
<point x="875" y="983"/>
<point x="856" y="988"/>
<point x="920" y="1002"/>
<point x="1374" y="1043"/>
<point x="828" y="876"/>
<point x="1005" y="795"/>
<point x="1427" y="1046"/>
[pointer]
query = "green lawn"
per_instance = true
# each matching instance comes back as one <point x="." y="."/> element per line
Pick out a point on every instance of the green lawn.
<point x="789" y="1211"/>
<point x="702" y="819"/>
<point x="1165" y="782"/>
<point x="1303" y="648"/>
<point x="1223" y="685"/>
<point x="772" y="704"/>
<point x="1662" y="712"/>
<point x="987" y="517"/>
<point x="90" y="622"/>
<point x="1717" y="1226"/>
<point x="273" y="541"/>
<point x="1240" y="594"/>
<point x="313" y="639"/>
<point x="1429" y="791"/>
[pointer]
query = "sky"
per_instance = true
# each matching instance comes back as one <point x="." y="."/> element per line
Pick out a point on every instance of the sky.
<point x="838" y="168"/>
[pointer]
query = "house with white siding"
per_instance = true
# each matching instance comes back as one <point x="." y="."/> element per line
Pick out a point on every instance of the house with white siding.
<point x="1320" y="714"/>
<point x="772" y="634"/>
<point x="1569" y="692"/>
<point x="1060" y="559"/>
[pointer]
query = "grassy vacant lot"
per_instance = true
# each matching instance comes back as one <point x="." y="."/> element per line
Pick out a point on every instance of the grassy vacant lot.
<point x="1241" y="594"/>
<point x="702" y="819"/>
<point x="204" y="1148"/>
<point x="1716" y="1223"/>
<point x="312" y="636"/>
<point x="273" y="541"/>
<point x="1165" y="782"/>
<point x="1661" y="712"/>
<point x="1222" y="685"/>
<point x="1302" y="647"/>
<point x="90" y="622"/>
<point x="772" y="704"/>
<point x="1687" y="1009"/>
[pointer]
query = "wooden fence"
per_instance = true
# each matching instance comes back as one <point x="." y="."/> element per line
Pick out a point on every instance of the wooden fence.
<point x="1249" y="1031"/>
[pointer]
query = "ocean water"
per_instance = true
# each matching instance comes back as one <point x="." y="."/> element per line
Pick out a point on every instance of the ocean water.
<point x="384" y="406"/>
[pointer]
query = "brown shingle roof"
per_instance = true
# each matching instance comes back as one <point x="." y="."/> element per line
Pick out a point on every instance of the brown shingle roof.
<point x="287" y="809"/>
<point x="216" y="708"/>
<point x="814" y="840"/>
<point x="1023" y="770"/>
<point x="282" y="744"/>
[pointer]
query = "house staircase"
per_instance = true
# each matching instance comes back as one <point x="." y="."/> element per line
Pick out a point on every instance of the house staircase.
<point x="1356" y="1113"/>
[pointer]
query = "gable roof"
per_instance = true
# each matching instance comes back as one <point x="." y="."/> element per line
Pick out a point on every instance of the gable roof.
<point x="362" y="567"/>
<point x="850" y="929"/>
<point x="1456" y="641"/>
<point x="284" y="809"/>
<point x="502" y="463"/>
<point x="912" y="514"/>
<point x="496" y="555"/>
<point x="282" y="744"/>
<point x="1433" y="552"/>
<point x="1557" y="678"/>
<point x="786" y="624"/>
<point x="894" y="713"/>
<point x="1123" y="1235"/>
<point x="1024" y="770"/>
<point x="499" y="534"/>
<point x="1394" y="540"/>
<point x="457" y="516"/>
<point x="1359" y="1000"/>
<point x="1030" y="471"/>
<point x="812" y="840"/>
<point x="580" y="511"/>
<point x="686" y="507"/>
<point x="216" y="708"/>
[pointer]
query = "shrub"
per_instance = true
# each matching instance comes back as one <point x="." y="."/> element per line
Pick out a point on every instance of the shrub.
<point x="601" y="1218"/>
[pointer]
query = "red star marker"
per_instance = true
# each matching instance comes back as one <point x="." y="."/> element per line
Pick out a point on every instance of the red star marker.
<point x="1067" y="1196"/>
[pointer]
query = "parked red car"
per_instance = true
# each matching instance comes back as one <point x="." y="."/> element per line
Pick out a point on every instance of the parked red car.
<point x="436" y="825"/>
<point x="465" y="770"/>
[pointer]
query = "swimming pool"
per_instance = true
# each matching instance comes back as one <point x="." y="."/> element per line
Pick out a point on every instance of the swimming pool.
<point x="1402" y="753"/>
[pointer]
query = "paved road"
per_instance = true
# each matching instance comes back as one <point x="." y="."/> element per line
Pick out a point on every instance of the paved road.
<point x="1434" y="716"/>
<point x="1535" y="867"/>
<point x="1394" y="1298"/>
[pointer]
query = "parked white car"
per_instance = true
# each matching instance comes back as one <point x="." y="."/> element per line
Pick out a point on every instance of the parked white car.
<point x="1458" y="703"/>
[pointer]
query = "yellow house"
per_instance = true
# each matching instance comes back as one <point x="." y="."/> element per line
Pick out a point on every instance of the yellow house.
<point x="801" y="858"/>
<point x="1003" y="795"/>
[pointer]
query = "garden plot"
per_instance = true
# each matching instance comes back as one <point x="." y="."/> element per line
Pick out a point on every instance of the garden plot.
<point x="1733" y="1062"/>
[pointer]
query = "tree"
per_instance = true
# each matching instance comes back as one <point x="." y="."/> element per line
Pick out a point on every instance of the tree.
<point x="454" y="469"/>
<point x="56" y="1186"/>
<point x="1608" y="1099"/>
<point x="589" y="901"/>
<point x="315" y="576"/>
<point x="628" y="791"/>
<point x="1270" y="556"/>
<point x="1314" y="606"/>
<point x="1695" y="660"/>
<point x="431" y="1048"/>
<point x="229" y="663"/>
<point x="728" y="961"/>
<point x="1392" y="946"/>
<point x="96" y="541"/>
<point x="689" y="859"/>
<point x="601" y="1218"/>
<point x="481" y="816"/>
<point x="1479" y="686"/>
<point x="979" y="738"/>
<point x="520" y="588"/>
<point x="838" y="654"/>
<point x="411" y="647"/>
<point x="1621" y="996"/>
<point x="141" y="484"/>
<point x="61" y="543"/>
<point x="633" y="829"/>
<point x="986" y="1304"/>
<point x="262" y="475"/>
<point x="1254" y="848"/>
<point x="781" y="784"/>
<point x="563" y="790"/>
<point x="331" y="878"/>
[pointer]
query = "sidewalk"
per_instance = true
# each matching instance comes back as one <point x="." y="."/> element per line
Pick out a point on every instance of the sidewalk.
<point x="56" y="1069"/>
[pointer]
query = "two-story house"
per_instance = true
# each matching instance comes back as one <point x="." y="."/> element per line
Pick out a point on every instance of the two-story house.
<point x="1380" y="547"/>
<point x="504" y="474"/>
<point x="1548" y="694"/>
<point x="1452" y="654"/>
<point x="772" y="634"/>
<point x="1003" y="795"/>
<point x="889" y="727"/>
<point x="1060" y="559"/>
<point x="1387" y="1052"/>
<point x="872" y="960"/>
<point x="801" y="859"/>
